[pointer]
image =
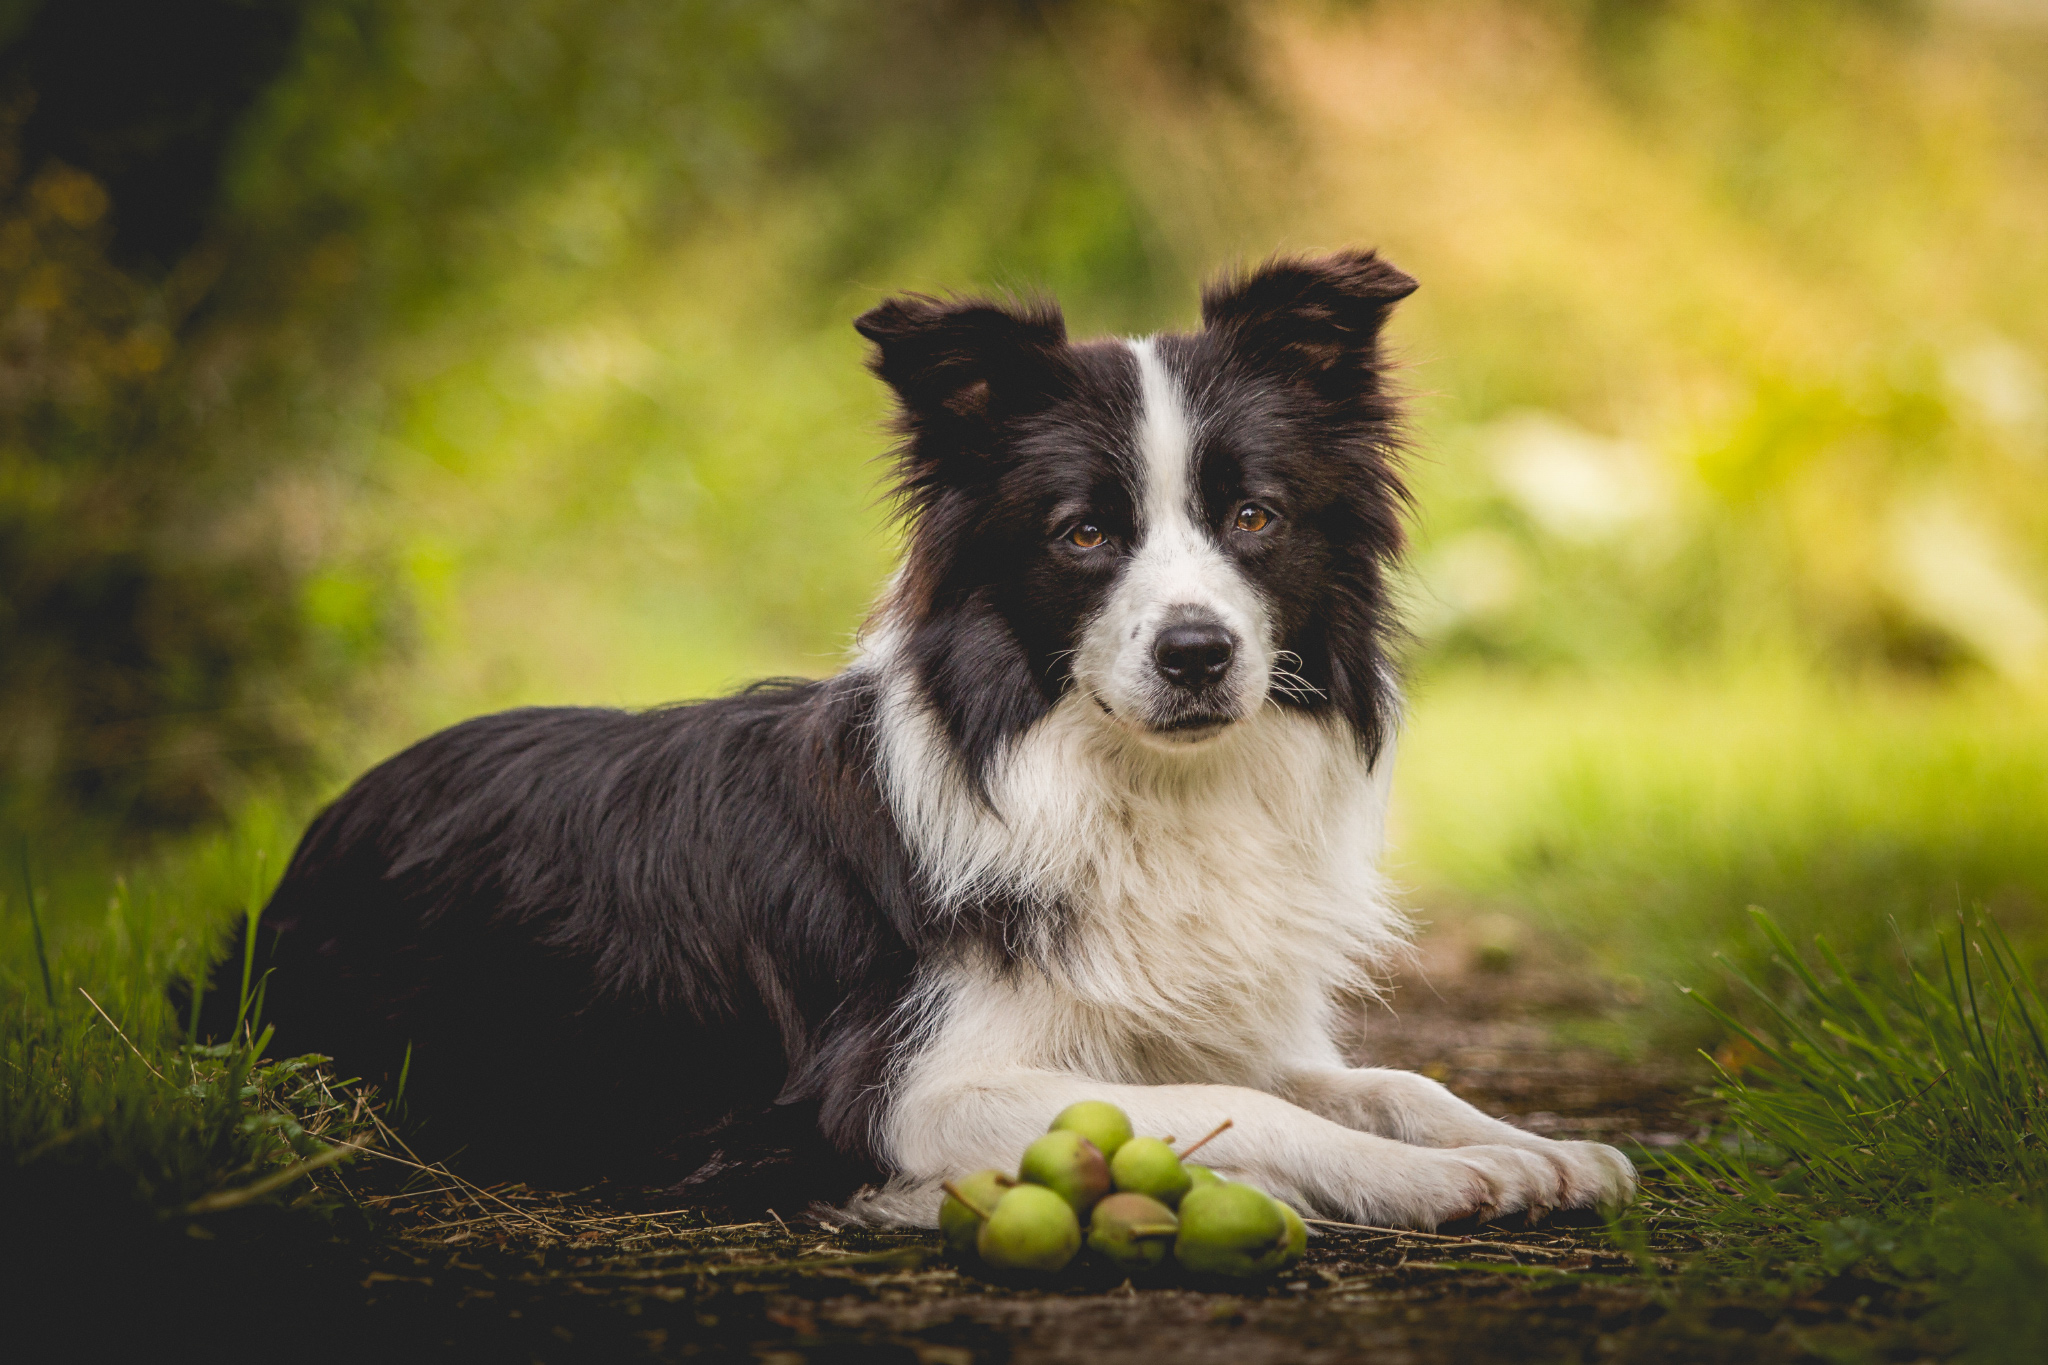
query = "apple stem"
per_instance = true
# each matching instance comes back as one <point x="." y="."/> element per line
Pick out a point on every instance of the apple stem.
<point x="1154" y="1229"/>
<point x="977" y="1210"/>
<point x="1213" y="1134"/>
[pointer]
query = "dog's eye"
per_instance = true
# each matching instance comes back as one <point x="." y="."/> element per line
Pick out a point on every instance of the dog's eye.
<point x="1085" y="536"/>
<point x="1252" y="517"/>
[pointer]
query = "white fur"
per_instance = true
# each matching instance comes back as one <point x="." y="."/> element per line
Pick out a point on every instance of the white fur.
<point x="1199" y="910"/>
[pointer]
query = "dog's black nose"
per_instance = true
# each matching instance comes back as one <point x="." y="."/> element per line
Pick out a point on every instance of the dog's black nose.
<point x="1193" y="655"/>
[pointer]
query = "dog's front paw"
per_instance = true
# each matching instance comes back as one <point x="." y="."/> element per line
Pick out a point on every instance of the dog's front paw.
<point x="1594" y="1175"/>
<point x="1454" y="1184"/>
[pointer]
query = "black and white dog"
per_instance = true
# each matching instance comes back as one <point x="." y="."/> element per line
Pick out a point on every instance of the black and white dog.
<point x="1094" y="813"/>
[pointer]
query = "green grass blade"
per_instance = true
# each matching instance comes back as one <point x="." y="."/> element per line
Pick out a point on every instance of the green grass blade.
<point x="252" y="911"/>
<point x="1788" y="955"/>
<point x="404" y="1071"/>
<point x="1742" y="1030"/>
<point x="1976" y="1015"/>
<point x="35" y="920"/>
<point x="2025" y="994"/>
<point x="1871" y="1010"/>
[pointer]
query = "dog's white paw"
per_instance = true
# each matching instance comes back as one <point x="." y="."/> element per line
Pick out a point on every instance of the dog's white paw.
<point x="1517" y="1180"/>
<point x="1449" y="1184"/>
<point x="1594" y="1174"/>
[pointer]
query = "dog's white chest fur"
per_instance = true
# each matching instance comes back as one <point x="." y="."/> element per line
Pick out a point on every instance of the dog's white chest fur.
<point x="1194" y="911"/>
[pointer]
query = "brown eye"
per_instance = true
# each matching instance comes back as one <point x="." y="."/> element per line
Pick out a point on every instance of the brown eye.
<point x="1085" y="537"/>
<point x="1252" y="517"/>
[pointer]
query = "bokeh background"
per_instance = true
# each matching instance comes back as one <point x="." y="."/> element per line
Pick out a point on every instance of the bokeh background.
<point x="368" y="364"/>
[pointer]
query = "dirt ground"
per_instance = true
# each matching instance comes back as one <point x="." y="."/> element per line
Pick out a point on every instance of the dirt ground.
<point x="515" y="1274"/>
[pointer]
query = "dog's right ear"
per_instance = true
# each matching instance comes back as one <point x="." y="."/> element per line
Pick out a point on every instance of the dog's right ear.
<point x="965" y="361"/>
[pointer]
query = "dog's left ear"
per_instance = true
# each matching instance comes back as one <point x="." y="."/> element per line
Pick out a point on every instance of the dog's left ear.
<point x="1314" y="319"/>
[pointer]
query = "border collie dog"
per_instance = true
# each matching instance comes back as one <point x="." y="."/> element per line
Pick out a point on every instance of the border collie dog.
<point x="1094" y="812"/>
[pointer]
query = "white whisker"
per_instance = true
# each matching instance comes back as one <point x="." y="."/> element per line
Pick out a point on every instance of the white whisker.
<point x="1294" y="685"/>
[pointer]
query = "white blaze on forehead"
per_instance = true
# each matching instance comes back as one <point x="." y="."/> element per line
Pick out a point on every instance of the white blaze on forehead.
<point x="1166" y="445"/>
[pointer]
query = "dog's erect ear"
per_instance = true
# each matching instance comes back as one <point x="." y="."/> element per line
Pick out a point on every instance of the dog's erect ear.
<point x="966" y="359"/>
<point x="1314" y="319"/>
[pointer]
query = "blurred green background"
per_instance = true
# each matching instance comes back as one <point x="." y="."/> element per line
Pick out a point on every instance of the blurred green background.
<point x="368" y="364"/>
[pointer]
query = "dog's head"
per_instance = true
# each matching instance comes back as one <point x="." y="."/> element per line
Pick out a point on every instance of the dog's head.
<point x="1182" y="530"/>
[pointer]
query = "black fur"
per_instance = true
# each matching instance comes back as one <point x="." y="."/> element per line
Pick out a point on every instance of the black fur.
<point x="673" y="945"/>
<point x="607" y="938"/>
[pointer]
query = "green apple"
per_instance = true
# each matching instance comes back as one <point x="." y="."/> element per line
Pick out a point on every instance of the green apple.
<point x="1231" y="1230"/>
<point x="1131" y="1231"/>
<point x="968" y="1201"/>
<point x="1030" y="1229"/>
<point x="1069" y="1165"/>
<point x="1101" y="1122"/>
<point x="1146" y="1165"/>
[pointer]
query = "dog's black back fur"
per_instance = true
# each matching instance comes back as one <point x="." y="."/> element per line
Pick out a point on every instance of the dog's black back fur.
<point x="543" y="906"/>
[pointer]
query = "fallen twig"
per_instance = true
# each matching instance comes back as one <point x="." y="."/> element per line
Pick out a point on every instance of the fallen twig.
<point x="1443" y="1239"/>
<point x="123" y="1037"/>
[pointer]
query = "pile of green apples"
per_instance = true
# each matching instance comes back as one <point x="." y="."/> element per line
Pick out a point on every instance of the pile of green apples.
<point x="1133" y="1201"/>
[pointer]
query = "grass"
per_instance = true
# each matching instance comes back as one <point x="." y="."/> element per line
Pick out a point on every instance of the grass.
<point x="100" y="1085"/>
<point x="1636" y="819"/>
<point x="1883" y="1131"/>
<point x="1883" y="1092"/>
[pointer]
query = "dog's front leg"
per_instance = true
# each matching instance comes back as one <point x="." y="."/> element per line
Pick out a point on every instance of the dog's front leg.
<point x="1414" y="1109"/>
<point x="940" y="1129"/>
